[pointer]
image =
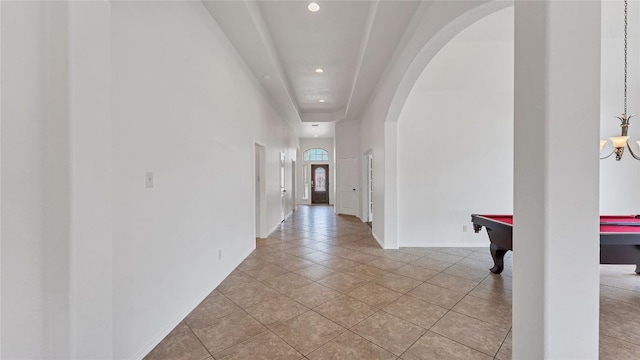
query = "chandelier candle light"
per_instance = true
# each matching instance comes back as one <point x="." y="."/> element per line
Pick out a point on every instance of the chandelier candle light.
<point x="619" y="142"/>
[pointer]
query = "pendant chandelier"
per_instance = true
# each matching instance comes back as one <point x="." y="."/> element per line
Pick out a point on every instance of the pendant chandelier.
<point x="622" y="141"/>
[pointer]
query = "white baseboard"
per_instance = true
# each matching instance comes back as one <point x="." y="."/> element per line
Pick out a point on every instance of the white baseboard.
<point x="381" y="244"/>
<point x="272" y="230"/>
<point x="278" y="224"/>
<point x="192" y="305"/>
<point x="376" y="237"/>
<point x="462" y="245"/>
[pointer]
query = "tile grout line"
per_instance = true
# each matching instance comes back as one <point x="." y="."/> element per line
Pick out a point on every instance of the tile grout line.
<point x="451" y="310"/>
<point x="200" y="341"/>
<point x="276" y="334"/>
<point x="341" y="332"/>
<point x="292" y="239"/>
<point x="502" y="344"/>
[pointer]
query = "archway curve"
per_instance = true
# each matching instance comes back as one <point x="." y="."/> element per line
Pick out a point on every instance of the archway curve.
<point x="431" y="48"/>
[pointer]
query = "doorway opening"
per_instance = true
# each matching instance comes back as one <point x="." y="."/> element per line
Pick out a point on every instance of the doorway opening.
<point x="319" y="184"/>
<point x="293" y="185"/>
<point x="260" y="190"/>
<point x="283" y="190"/>
<point x="368" y="161"/>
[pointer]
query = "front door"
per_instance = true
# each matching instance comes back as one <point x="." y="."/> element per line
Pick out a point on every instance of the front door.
<point x="319" y="184"/>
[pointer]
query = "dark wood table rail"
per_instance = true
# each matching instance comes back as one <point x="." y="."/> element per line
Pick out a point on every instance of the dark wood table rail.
<point x="619" y="238"/>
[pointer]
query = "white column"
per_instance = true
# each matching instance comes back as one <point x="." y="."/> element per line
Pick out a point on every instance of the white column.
<point x="391" y="185"/>
<point x="556" y="240"/>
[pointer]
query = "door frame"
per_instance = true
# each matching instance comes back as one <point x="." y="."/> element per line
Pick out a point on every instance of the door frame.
<point x="367" y="188"/>
<point x="283" y="186"/>
<point x="259" y="178"/>
<point x="313" y="185"/>
<point x="293" y="185"/>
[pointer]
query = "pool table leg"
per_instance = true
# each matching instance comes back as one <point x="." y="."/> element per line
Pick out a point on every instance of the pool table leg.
<point x="638" y="269"/>
<point x="497" y="253"/>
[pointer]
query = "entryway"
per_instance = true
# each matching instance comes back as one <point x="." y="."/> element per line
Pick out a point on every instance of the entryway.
<point x="319" y="184"/>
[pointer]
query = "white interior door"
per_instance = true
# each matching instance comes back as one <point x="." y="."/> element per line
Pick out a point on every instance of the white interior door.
<point x="347" y="186"/>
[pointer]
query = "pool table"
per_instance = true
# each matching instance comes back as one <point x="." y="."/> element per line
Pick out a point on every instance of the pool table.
<point x="619" y="238"/>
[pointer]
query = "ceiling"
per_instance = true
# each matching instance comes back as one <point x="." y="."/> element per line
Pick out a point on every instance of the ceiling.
<point x="283" y="43"/>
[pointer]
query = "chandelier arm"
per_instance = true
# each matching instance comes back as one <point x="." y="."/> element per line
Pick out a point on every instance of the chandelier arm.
<point x="635" y="156"/>
<point x="626" y="22"/>
<point x="611" y="153"/>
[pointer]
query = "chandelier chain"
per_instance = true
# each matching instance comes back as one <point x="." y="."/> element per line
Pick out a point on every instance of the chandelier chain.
<point x="625" y="55"/>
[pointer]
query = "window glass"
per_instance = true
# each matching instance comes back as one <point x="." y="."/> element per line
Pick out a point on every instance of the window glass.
<point x="320" y="178"/>
<point x="305" y="176"/>
<point x="315" y="154"/>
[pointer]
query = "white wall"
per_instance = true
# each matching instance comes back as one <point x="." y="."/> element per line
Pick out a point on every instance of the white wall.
<point x="90" y="131"/>
<point x="347" y="145"/>
<point x="186" y="108"/>
<point x="456" y="160"/>
<point x="93" y="96"/>
<point x="23" y="181"/>
<point x="309" y="143"/>
<point x="619" y="193"/>
<point x="455" y="138"/>
<point x="433" y="24"/>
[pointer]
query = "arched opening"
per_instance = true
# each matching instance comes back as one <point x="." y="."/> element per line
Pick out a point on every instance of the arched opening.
<point x="455" y="137"/>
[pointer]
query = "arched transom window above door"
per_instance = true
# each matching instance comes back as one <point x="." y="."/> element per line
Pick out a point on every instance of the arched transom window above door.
<point x="315" y="154"/>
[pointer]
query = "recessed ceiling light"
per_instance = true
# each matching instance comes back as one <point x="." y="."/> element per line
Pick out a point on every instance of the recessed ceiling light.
<point x="313" y="7"/>
<point x="314" y="125"/>
<point x="321" y="100"/>
<point x="316" y="135"/>
<point x="267" y="77"/>
<point x="319" y="70"/>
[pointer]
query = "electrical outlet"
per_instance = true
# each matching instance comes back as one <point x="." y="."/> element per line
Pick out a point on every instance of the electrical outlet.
<point x="219" y="254"/>
<point x="464" y="228"/>
<point x="148" y="180"/>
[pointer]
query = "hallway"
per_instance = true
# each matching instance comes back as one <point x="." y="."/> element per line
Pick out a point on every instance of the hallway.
<point x="320" y="287"/>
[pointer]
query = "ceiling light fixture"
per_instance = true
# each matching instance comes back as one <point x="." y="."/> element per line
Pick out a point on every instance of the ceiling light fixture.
<point x="619" y="142"/>
<point x="267" y="77"/>
<point x="313" y="7"/>
<point x="321" y="100"/>
<point x="319" y="70"/>
<point x="316" y="135"/>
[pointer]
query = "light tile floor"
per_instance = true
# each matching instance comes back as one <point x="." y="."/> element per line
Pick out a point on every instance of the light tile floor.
<point x="320" y="287"/>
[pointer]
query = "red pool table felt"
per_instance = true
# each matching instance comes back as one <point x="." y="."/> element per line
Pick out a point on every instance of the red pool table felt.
<point x="508" y="219"/>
